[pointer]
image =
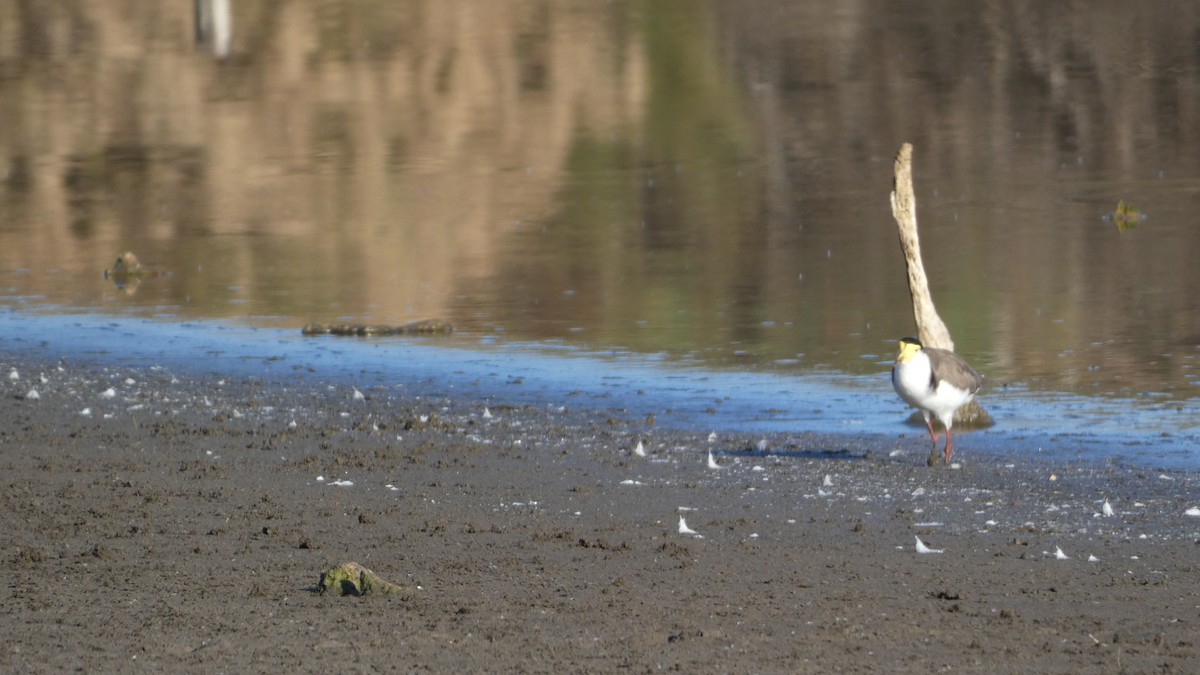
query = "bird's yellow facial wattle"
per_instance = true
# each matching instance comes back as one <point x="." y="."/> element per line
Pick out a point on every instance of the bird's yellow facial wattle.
<point x="907" y="349"/>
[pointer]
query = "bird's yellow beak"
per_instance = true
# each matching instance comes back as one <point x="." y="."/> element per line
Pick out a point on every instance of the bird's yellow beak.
<point x="907" y="349"/>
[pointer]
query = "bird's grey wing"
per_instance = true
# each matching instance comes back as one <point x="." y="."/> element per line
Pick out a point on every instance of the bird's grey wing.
<point x="948" y="366"/>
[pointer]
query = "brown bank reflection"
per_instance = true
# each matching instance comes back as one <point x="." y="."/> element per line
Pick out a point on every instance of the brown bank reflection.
<point x="706" y="179"/>
<point x="347" y="158"/>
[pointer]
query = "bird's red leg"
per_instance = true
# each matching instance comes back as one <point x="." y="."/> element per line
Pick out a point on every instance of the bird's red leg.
<point x="949" y="446"/>
<point x="933" y="452"/>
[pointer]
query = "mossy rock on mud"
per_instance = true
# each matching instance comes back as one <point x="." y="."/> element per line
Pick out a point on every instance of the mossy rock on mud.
<point x="422" y="327"/>
<point x="969" y="417"/>
<point x="353" y="579"/>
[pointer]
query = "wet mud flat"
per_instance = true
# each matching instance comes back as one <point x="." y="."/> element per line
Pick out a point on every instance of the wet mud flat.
<point x="162" y="521"/>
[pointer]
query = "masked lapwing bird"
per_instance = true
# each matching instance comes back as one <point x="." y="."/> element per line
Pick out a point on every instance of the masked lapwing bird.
<point x="935" y="381"/>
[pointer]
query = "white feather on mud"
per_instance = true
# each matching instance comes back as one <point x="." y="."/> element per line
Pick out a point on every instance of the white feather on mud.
<point x="684" y="529"/>
<point x="922" y="548"/>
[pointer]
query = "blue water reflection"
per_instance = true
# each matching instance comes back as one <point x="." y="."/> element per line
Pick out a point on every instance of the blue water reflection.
<point x="694" y="397"/>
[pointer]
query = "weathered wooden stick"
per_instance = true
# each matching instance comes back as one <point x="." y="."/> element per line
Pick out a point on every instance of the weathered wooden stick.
<point x="931" y="330"/>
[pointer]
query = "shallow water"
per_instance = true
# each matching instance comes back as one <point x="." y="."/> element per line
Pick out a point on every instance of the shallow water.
<point x="699" y="186"/>
<point x="667" y="395"/>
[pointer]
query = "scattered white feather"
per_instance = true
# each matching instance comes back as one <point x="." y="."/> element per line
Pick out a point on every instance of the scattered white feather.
<point x="130" y="381"/>
<point x="320" y="479"/>
<point x="14" y="375"/>
<point x="640" y="449"/>
<point x="712" y="463"/>
<point x="42" y="377"/>
<point x="292" y="424"/>
<point x="762" y="445"/>
<point x="630" y="481"/>
<point x="86" y="412"/>
<point x="1092" y="558"/>
<point x="1058" y="553"/>
<point x="684" y="529"/>
<point x="1194" y="512"/>
<point x="712" y="437"/>
<point x="32" y="395"/>
<point x="918" y="492"/>
<point x="828" y="482"/>
<point x="757" y="467"/>
<point x="358" y="395"/>
<point x="487" y="414"/>
<point x="1107" y="509"/>
<point x="108" y="393"/>
<point x="922" y="548"/>
<point x="342" y="483"/>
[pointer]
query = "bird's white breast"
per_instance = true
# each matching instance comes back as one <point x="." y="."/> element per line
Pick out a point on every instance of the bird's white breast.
<point x="912" y="382"/>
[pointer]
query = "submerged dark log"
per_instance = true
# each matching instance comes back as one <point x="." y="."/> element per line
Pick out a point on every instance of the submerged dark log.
<point x="422" y="327"/>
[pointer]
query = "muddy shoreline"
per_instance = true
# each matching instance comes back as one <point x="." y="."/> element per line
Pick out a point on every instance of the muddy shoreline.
<point x="169" y="521"/>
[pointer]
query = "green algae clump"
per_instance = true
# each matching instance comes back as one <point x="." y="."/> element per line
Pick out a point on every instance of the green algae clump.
<point x="352" y="578"/>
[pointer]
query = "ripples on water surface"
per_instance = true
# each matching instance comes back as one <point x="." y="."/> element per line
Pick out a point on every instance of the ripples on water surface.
<point x="703" y="182"/>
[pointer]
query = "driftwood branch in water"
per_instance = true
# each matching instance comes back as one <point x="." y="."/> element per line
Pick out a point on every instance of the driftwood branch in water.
<point x="931" y="330"/>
